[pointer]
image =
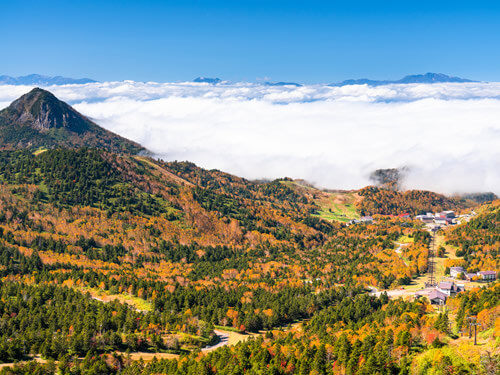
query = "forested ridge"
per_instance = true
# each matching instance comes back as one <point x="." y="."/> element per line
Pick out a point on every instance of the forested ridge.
<point x="104" y="254"/>
<point x="393" y="202"/>
<point x="355" y="335"/>
<point x="478" y="241"/>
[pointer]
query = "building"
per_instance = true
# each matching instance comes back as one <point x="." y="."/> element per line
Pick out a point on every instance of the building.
<point x="363" y="219"/>
<point x="470" y="276"/>
<point x="437" y="297"/>
<point x="443" y="220"/>
<point x="487" y="275"/>
<point x="481" y="275"/>
<point x="449" y="288"/>
<point x="446" y="214"/>
<point x="440" y="218"/>
<point x="455" y="271"/>
<point x="425" y="218"/>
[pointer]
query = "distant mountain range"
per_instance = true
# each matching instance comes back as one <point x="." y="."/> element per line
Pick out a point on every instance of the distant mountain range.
<point x="213" y="81"/>
<point x="39" y="120"/>
<point x="282" y="84"/>
<point x="415" y="78"/>
<point x="40" y="80"/>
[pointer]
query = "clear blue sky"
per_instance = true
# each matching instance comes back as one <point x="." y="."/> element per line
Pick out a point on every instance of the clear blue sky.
<point x="303" y="41"/>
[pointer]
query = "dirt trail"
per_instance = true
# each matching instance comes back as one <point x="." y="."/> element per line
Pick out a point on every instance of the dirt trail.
<point x="36" y="358"/>
<point x="225" y="338"/>
<point x="164" y="172"/>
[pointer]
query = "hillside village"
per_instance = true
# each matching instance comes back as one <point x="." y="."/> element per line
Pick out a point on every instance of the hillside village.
<point x="455" y="279"/>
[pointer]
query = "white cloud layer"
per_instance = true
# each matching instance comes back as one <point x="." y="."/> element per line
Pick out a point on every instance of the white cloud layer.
<point x="449" y="134"/>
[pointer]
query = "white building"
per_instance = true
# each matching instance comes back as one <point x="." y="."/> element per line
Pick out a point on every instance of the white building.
<point x="487" y="275"/>
<point x="448" y="288"/>
<point x="455" y="271"/>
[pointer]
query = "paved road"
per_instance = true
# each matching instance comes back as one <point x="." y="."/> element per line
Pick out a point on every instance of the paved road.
<point x="223" y="340"/>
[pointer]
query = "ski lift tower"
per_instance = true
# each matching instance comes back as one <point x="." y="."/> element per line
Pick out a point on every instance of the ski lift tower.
<point x="431" y="263"/>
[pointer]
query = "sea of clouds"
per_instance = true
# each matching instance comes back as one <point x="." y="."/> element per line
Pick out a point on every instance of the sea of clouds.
<point x="448" y="134"/>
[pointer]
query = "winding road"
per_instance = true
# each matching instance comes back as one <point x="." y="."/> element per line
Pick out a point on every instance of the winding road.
<point x="223" y="340"/>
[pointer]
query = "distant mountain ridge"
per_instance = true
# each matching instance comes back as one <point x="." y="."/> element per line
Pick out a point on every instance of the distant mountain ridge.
<point x="41" y="80"/>
<point x="212" y="81"/>
<point x="38" y="119"/>
<point x="215" y="81"/>
<point x="283" y="84"/>
<point x="414" y="78"/>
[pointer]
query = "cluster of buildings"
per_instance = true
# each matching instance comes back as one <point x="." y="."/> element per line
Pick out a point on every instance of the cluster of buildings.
<point x="440" y="218"/>
<point x="438" y="295"/>
<point x="487" y="276"/>
<point x="445" y="289"/>
<point x="444" y="218"/>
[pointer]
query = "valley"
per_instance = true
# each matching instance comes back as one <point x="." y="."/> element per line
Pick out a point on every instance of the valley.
<point x="112" y="261"/>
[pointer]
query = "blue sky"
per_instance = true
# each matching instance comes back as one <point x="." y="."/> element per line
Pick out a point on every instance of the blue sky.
<point x="302" y="41"/>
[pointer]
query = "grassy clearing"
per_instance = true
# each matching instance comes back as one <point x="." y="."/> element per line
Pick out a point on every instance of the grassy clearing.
<point x="417" y="283"/>
<point x="405" y="239"/>
<point x="39" y="151"/>
<point x="187" y="337"/>
<point x="228" y="329"/>
<point x="451" y="251"/>
<point x="235" y="337"/>
<point x="105" y="296"/>
<point x="337" y="206"/>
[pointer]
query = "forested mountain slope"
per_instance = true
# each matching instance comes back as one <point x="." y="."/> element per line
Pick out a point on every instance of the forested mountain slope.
<point x="392" y="202"/>
<point x="478" y="241"/>
<point x="184" y="250"/>
<point x="105" y="252"/>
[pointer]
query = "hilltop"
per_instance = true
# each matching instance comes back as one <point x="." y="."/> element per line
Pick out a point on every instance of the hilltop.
<point x="39" y="120"/>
